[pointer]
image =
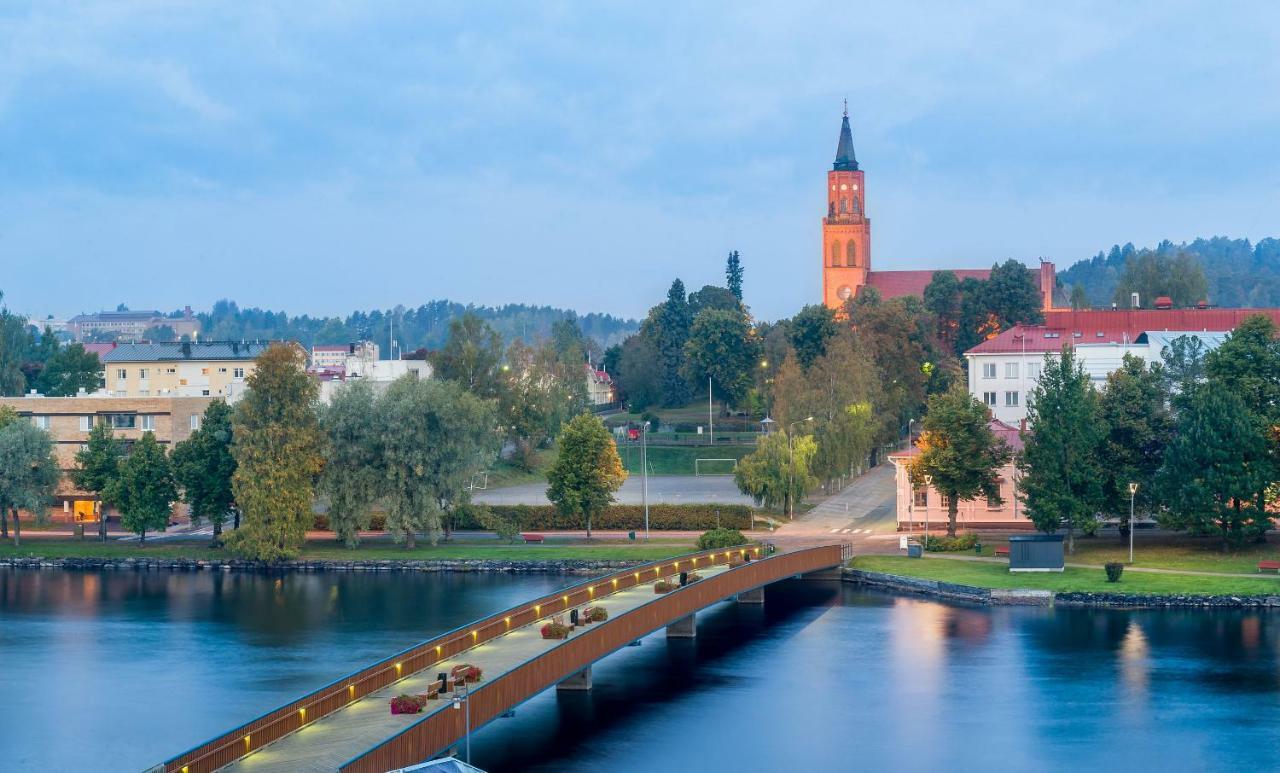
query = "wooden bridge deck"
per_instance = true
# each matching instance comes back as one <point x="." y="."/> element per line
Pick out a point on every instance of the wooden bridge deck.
<point x="352" y="729"/>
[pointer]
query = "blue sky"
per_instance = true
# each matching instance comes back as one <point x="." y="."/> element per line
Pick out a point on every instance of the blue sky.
<point x="321" y="156"/>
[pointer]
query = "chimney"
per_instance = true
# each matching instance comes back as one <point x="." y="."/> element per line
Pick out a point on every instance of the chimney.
<point x="1133" y="301"/>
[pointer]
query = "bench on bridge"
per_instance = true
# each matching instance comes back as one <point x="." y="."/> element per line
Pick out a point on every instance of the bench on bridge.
<point x="532" y="538"/>
<point x="1273" y="566"/>
<point x="465" y="672"/>
<point x="1002" y="550"/>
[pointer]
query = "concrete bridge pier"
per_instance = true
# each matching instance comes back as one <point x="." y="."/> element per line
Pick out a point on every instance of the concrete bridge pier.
<point x="684" y="628"/>
<point x="578" y="682"/>
<point x="752" y="596"/>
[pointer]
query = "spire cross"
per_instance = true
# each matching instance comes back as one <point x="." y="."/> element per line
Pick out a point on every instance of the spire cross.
<point x="846" y="107"/>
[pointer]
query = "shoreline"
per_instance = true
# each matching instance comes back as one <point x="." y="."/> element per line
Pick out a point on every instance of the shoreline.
<point x="947" y="591"/>
<point x="145" y="564"/>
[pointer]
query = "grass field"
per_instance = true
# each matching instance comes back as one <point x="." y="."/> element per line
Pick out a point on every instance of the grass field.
<point x="679" y="460"/>
<point x="1200" y="554"/>
<point x="992" y="575"/>
<point x="368" y="551"/>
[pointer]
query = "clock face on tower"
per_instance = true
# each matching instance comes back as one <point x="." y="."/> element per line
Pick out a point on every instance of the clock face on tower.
<point x="845" y="292"/>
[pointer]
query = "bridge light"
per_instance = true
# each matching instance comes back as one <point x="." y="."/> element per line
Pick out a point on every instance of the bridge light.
<point x="566" y="599"/>
<point x="246" y="743"/>
<point x="537" y="609"/>
<point x="302" y="713"/>
<point x="475" y="635"/>
<point x="615" y="582"/>
<point x="508" y="622"/>
<point x="398" y="666"/>
<point x="437" y="649"/>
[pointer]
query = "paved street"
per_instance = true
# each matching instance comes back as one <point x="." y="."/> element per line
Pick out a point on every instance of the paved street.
<point x="663" y="489"/>
<point x="862" y="513"/>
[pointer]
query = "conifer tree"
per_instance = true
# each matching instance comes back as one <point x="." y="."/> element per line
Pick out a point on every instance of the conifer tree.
<point x="203" y="466"/>
<point x="733" y="275"/>
<point x="144" y="490"/>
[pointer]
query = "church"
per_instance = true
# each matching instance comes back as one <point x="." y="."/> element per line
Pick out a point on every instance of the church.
<point x="846" y="241"/>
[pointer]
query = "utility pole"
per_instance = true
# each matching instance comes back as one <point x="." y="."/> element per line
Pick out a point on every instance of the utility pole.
<point x="710" y="418"/>
<point x="644" y="475"/>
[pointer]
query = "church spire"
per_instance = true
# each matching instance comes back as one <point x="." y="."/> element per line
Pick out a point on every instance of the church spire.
<point x="846" y="161"/>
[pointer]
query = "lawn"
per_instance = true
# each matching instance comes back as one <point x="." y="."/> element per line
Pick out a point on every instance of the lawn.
<point x="1200" y="554"/>
<point x="992" y="575"/>
<point x="679" y="460"/>
<point x="368" y="551"/>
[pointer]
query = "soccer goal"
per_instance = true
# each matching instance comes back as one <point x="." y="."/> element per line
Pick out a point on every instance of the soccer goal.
<point x="705" y="467"/>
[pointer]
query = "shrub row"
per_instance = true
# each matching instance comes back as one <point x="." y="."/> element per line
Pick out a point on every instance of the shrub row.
<point x="952" y="544"/>
<point x="614" y="518"/>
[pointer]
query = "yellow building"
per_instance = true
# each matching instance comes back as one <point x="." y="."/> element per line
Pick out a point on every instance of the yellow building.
<point x="69" y="419"/>
<point x="180" y="369"/>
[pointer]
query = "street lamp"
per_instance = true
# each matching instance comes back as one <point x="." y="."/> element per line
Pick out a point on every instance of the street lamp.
<point x="928" y="484"/>
<point x="644" y="475"/>
<point x="1133" y="490"/>
<point x="458" y="703"/>
<point x="791" y="466"/>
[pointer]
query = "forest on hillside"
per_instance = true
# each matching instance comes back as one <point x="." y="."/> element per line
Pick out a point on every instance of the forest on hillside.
<point x="1236" y="272"/>
<point x="424" y="327"/>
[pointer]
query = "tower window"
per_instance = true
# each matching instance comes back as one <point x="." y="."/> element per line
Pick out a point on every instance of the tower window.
<point x="851" y="254"/>
<point x="835" y="254"/>
<point x="831" y="209"/>
<point x="844" y="205"/>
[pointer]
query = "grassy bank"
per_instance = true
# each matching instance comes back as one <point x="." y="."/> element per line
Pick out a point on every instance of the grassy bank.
<point x="992" y="575"/>
<point x="679" y="460"/>
<point x="367" y="551"/>
<point x="1198" y="554"/>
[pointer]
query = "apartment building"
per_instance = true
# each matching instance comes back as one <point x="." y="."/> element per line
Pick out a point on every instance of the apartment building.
<point x="130" y="325"/>
<point x="180" y="369"/>
<point x="70" y="419"/>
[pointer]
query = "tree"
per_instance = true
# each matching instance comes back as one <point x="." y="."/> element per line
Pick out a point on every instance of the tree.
<point x="712" y="297"/>
<point x="722" y="346"/>
<point x="277" y="445"/>
<point x="16" y="344"/>
<point x="639" y="373"/>
<point x="160" y="333"/>
<point x="97" y="467"/>
<point x="1153" y="274"/>
<point x="943" y="299"/>
<point x="69" y="370"/>
<point x="28" y="472"/>
<point x="733" y="275"/>
<point x="960" y="457"/>
<point x="1183" y="363"/>
<point x="587" y="472"/>
<point x="541" y="391"/>
<point x="810" y="331"/>
<point x="776" y="475"/>
<point x="435" y="437"/>
<point x="669" y="325"/>
<point x="1012" y="295"/>
<point x="471" y="357"/>
<point x="353" y="472"/>
<point x="1134" y="410"/>
<point x="7" y="416"/>
<point x="1214" y="467"/>
<point x="1079" y="299"/>
<point x="145" y="490"/>
<point x="204" y="467"/>
<point x="1062" y="477"/>
<point x="1248" y="364"/>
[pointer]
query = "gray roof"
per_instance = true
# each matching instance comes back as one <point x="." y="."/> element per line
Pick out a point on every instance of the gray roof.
<point x="117" y="316"/>
<point x="846" y="161"/>
<point x="178" y="350"/>
<point x="1211" y="339"/>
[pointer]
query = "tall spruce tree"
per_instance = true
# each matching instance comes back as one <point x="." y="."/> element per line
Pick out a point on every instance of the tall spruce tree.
<point x="1134" y="409"/>
<point x="733" y="275"/>
<point x="1061" y="473"/>
<point x="960" y="457"/>
<point x="203" y="466"/>
<point x="277" y="445"/>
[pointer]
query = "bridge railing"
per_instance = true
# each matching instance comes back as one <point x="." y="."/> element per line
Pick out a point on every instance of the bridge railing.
<point x="290" y="717"/>
<point x="441" y="729"/>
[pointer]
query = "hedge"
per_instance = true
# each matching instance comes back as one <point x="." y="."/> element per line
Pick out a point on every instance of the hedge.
<point x="614" y="518"/>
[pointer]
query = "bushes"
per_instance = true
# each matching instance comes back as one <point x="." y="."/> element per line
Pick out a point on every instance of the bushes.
<point x="663" y="586"/>
<point x="1114" y="570"/>
<point x="555" y="631"/>
<point x="952" y="544"/>
<point x="595" y="614"/>
<point x="614" y="518"/>
<point x="721" y="538"/>
<point x="407" y="704"/>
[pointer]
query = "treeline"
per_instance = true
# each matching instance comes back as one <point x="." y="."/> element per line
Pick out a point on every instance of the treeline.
<point x="1189" y="441"/>
<point x="1223" y="271"/>
<point x="424" y="327"/>
<point x="35" y="359"/>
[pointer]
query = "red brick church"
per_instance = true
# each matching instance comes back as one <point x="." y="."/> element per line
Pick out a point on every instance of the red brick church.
<point x="846" y="241"/>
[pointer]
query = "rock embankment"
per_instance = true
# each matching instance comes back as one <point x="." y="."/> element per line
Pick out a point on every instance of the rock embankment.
<point x="561" y="566"/>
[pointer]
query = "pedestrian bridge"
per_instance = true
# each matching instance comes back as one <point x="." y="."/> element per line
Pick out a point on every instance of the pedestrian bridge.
<point x="347" y="725"/>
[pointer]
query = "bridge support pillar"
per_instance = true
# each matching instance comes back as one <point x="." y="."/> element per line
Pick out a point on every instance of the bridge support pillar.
<point x="579" y="681"/>
<point x="752" y="596"/>
<point x="684" y="628"/>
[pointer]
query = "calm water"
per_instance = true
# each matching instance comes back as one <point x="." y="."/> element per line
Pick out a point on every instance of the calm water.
<point x="117" y="671"/>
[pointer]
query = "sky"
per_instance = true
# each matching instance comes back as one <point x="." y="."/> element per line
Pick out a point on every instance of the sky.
<point x="319" y="157"/>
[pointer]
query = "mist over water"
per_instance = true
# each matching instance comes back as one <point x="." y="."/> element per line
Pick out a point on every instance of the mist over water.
<point x="117" y="671"/>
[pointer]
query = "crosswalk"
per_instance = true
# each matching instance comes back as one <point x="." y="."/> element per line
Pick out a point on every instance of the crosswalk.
<point x="851" y="531"/>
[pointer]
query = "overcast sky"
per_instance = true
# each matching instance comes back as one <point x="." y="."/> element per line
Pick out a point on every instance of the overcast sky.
<point x="320" y="157"/>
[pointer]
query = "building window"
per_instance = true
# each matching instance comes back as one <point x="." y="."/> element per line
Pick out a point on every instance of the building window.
<point x="922" y="497"/>
<point x="944" y="501"/>
<point x="1011" y="399"/>
<point x="41" y="422"/>
<point x="835" y="254"/>
<point x="1033" y="370"/>
<point x="86" y="423"/>
<point x="989" y="398"/>
<point x="148" y="423"/>
<point x="204" y="392"/>
<point x="142" y="373"/>
<point x="204" y="371"/>
<point x="994" y="504"/>
<point x="851" y="254"/>
<point x="122" y="420"/>
<point x="195" y="422"/>
<point x="238" y="373"/>
<point x="988" y="370"/>
<point x="844" y="206"/>
<point x="222" y="370"/>
<point x="1011" y="370"/>
<point x="122" y="374"/>
<point x="171" y="371"/>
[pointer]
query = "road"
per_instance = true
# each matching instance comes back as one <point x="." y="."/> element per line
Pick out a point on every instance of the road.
<point x="862" y="513"/>
<point x="663" y="489"/>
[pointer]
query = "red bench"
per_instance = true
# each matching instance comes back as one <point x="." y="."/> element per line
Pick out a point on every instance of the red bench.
<point x="1002" y="550"/>
<point x="1269" y="565"/>
<point x="531" y="538"/>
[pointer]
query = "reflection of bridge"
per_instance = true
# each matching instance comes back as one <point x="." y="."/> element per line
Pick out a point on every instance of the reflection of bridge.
<point x="347" y="725"/>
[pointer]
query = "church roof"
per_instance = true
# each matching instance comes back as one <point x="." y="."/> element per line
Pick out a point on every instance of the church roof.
<point x="895" y="284"/>
<point x="846" y="161"/>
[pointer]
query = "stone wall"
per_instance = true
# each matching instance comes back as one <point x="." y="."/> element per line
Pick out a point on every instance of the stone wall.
<point x="563" y="566"/>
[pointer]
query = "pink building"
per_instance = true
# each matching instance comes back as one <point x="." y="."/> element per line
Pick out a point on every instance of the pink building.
<point x="918" y="506"/>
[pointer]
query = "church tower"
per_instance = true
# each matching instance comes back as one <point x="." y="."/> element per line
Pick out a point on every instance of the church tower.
<point x="846" y="230"/>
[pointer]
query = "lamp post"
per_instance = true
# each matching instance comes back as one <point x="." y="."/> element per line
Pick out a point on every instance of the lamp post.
<point x="458" y="703"/>
<point x="928" y="484"/>
<point x="1133" y="490"/>
<point x="644" y="475"/>
<point x="791" y="467"/>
